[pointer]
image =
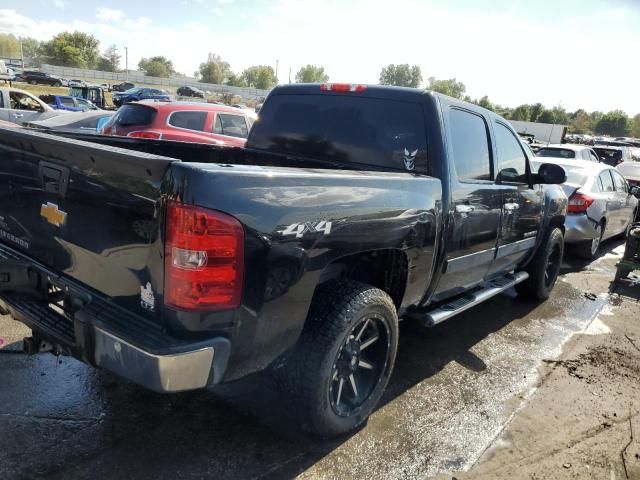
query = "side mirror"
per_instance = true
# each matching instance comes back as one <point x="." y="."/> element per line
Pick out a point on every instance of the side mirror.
<point x="635" y="191"/>
<point x="551" y="174"/>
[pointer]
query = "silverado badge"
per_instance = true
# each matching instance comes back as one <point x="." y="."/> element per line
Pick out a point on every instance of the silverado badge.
<point x="53" y="215"/>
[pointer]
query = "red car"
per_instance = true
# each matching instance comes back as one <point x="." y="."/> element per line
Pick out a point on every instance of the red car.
<point x="181" y="121"/>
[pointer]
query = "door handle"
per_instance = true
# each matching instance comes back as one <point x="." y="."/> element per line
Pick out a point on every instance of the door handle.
<point x="510" y="207"/>
<point x="18" y="115"/>
<point x="465" y="208"/>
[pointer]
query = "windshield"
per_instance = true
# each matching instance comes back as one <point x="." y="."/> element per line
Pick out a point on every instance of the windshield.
<point x="133" y="90"/>
<point x="341" y="128"/>
<point x="556" y="152"/>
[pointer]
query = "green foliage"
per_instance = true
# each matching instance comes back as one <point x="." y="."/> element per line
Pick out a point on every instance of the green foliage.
<point x="236" y="80"/>
<point x="635" y="126"/>
<point x="9" y="45"/>
<point x="521" y="113"/>
<point x="158" y="66"/>
<point x="260" y="76"/>
<point x="615" y="123"/>
<point x="214" y="70"/>
<point x="75" y="49"/>
<point x="449" y="87"/>
<point x="32" y="50"/>
<point x="403" y="75"/>
<point x="557" y="115"/>
<point x="485" y="103"/>
<point x="311" y="74"/>
<point x="580" y="123"/>
<point x="110" y="60"/>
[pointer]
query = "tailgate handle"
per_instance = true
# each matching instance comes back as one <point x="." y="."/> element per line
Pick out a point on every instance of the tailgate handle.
<point x="55" y="178"/>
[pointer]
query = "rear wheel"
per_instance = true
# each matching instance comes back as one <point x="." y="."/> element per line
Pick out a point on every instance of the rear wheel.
<point x="341" y="365"/>
<point x="544" y="268"/>
<point x="32" y="82"/>
<point x="589" y="249"/>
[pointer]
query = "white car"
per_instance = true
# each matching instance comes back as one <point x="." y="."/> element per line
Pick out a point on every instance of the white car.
<point x="567" y="151"/>
<point x="18" y="106"/>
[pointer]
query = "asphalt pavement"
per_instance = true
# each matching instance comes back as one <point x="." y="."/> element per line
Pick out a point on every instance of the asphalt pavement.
<point x="454" y="389"/>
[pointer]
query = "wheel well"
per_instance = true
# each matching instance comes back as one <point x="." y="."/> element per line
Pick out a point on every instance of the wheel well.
<point x="383" y="269"/>
<point x="557" y="221"/>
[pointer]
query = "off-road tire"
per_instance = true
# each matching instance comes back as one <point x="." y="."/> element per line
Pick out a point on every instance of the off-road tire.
<point x="537" y="286"/>
<point x="306" y="373"/>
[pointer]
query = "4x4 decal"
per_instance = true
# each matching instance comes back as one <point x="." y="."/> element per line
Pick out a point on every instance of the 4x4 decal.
<point x="299" y="229"/>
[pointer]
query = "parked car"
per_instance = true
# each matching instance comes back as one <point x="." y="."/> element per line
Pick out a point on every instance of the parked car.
<point x="19" y="106"/>
<point x="40" y="78"/>
<point x="82" y="122"/>
<point x="106" y="86"/>
<point x="351" y="206"/>
<point x="613" y="156"/>
<point x="139" y="93"/>
<point x="89" y="96"/>
<point x="63" y="102"/>
<point x="569" y="151"/>
<point x="188" y="91"/>
<point x="631" y="172"/>
<point x="122" y="87"/>
<point x="182" y="121"/>
<point x="6" y="74"/>
<point x="77" y="83"/>
<point x="601" y="204"/>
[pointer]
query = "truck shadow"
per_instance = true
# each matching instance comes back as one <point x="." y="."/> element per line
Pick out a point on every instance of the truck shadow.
<point x="243" y="429"/>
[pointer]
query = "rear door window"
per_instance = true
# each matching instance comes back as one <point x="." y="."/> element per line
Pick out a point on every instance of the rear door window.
<point x="513" y="163"/>
<point x="230" y="125"/>
<point x="606" y="181"/>
<point x="470" y="144"/>
<point x="67" y="101"/>
<point x="619" y="182"/>
<point x="343" y="128"/>
<point x="188" y="120"/>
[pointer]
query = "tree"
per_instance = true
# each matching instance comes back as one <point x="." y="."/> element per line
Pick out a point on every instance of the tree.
<point x="236" y="80"/>
<point x="635" y="126"/>
<point x="449" y="87"/>
<point x="485" y="103"/>
<point x="260" y="76"/>
<point x="311" y="74"/>
<point x="581" y="123"/>
<point x="75" y="49"/>
<point x="214" y="70"/>
<point x="522" y="113"/>
<point x="615" y="123"/>
<point x="32" y="50"/>
<point x="536" y="110"/>
<point x="110" y="60"/>
<point x="9" y="46"/>
<point x="402" y="75"/>
<point x="158" y="66"/>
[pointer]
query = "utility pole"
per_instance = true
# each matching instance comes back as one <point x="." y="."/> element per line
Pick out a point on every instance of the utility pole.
<point x="21" y="54"/>
<point x="126" y="62"/>
<point x="289" y="74"/>
<point x="277" y="61"/>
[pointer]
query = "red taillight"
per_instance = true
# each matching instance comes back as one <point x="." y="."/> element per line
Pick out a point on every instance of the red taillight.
<point x="579" y="202"/>
<point x="204" y="259"/>
<point x="342" y="87"/>
<point x="145" y="134"/>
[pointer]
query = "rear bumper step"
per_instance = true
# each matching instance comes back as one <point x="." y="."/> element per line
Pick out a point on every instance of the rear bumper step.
<point x="469" y="300"/>
<point x="109" y="337"/>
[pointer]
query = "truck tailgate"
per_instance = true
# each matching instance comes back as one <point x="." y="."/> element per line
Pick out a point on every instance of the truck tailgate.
<point x="85" y="210"/>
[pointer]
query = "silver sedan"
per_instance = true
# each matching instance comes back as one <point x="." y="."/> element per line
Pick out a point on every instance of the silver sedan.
<point x="601" y="204"/>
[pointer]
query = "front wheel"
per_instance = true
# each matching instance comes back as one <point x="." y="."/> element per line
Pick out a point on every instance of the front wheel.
<point x="57" y="84"/>
<point x="544" y="268"/>
<point x="341" y="365"/>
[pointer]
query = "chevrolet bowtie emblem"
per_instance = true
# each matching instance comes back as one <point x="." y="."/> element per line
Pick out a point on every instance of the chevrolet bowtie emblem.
<point x="53" y="215"/>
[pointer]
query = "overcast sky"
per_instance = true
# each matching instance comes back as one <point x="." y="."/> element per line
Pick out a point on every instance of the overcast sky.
<point x="577" y="53"/>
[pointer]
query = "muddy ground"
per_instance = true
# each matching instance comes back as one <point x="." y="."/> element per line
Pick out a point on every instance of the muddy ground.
<point x="511" y="389"/>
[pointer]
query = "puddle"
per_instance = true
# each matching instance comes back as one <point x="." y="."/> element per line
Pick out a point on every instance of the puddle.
<point x="597" y="327"/>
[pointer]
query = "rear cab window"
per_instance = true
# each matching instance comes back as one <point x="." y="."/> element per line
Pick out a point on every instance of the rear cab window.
<point x="370" y="131"/>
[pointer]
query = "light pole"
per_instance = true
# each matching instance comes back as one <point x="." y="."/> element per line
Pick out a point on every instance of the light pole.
<point x="126" y="62"/>
<point x="277" y="61"/>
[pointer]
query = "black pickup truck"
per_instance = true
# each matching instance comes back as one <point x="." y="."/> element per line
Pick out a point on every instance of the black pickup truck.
<point x="179" y="266"/>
